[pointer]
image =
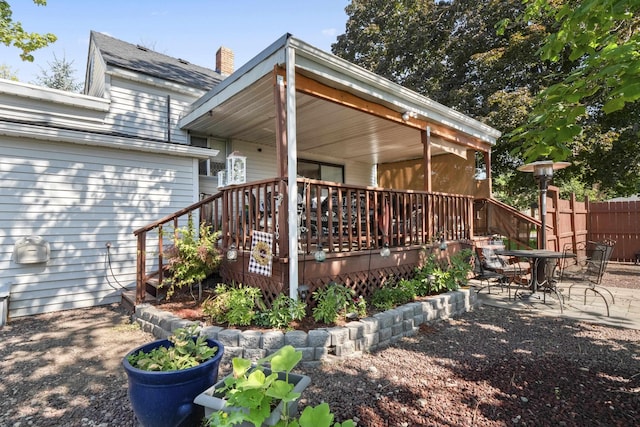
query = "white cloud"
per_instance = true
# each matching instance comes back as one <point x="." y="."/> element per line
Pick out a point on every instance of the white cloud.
<point x="329" y="32"/>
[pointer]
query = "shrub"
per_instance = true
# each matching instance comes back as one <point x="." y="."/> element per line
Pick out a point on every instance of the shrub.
<point x="460" y="266"/>
<point x="332" y="302"/>
<point x="283" y="311"/>
<point x="234" y="305"/>
<point x="393" y="294"/>
<point x="193" y="256"/>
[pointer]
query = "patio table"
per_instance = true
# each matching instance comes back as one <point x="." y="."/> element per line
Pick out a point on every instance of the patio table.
<point x="538" y="259"/>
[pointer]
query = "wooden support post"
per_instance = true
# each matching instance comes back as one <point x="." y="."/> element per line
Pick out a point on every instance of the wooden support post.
<point x="279" y="93"/>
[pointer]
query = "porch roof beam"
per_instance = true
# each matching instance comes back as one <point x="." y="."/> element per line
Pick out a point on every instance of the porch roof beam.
<point x="319" y="90"/>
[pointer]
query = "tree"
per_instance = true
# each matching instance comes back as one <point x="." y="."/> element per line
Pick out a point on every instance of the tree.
<point x="61" y="76"/>
<point x="453" y="53"/>
<point x="602" y="39"/>
<point x="8" y="73"/>
<point x="12" y="33"/>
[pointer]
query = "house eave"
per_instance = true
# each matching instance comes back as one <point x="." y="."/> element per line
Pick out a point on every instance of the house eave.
<point x="343" y="74"/>
<point x="45" y="94"/>
<point x="241" y="79"/>
<point x="73" y="136"/>
<point x="359" y="80"/>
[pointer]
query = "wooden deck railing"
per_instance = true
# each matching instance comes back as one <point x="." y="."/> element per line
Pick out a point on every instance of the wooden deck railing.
<point x="495" y="217"/>
<point x="337" y="217"/>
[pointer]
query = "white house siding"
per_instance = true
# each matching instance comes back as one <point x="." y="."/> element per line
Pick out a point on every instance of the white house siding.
<point x="78" y="198"/>
<point x="95" y="74"/>
<point x="140" y="110"/>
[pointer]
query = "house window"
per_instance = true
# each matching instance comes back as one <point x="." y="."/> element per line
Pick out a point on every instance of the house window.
<point x="322" y="171"/>
<point x="211" y="166"/>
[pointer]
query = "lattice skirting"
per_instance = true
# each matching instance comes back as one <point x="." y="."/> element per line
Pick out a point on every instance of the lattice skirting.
<point x="356" y="272"/>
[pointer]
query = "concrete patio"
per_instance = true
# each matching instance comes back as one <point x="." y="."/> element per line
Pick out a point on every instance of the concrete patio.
<point x="625" y="313"/>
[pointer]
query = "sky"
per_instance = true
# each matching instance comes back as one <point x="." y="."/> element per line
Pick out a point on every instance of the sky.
<point x="189" y="29"/>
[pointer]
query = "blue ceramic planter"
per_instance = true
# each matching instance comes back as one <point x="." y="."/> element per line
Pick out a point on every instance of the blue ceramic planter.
<point x="165" y="399"/>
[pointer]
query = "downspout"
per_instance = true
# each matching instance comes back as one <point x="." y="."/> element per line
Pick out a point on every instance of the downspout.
<point x="168" y="118"/>
<point x="292" y="169"/>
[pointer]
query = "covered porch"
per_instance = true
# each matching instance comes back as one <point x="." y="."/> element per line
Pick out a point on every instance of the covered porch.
<point x="408" y="172"/>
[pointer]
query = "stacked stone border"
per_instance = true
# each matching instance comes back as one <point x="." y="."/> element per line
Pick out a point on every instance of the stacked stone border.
<point x="364" y="335"/>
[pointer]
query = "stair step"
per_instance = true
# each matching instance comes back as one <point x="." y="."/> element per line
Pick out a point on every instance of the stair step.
<point x="128" y="300"/>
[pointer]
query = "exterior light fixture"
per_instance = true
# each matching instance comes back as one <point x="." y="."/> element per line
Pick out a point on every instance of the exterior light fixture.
<point x="232" y="253"/>
<point x="319" y="254"/>
<point x="542" y="173"/>
<point x="385" y="251"/>
<point x="443" y="244"/>
<point x="303" y="291"/>
<point x="408" y="114"/>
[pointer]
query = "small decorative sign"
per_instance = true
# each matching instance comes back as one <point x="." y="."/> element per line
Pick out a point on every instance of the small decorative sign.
<point x="261" y="255"/>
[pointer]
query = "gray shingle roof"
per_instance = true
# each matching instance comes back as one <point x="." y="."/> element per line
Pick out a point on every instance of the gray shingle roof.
<point x="126" y="55"/>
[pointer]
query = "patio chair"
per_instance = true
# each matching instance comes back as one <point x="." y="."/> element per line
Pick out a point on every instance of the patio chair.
<point x="591" y="269"/>
<point x="551" y="282"/>
<point x="513" y="272"/>
<point x="491" y="278"/>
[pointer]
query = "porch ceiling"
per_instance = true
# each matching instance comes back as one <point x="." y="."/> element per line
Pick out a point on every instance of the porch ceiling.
<point x="324" y="128"/>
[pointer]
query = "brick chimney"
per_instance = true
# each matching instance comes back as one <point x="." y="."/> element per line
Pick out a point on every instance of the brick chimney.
<point x="224" y="61"/>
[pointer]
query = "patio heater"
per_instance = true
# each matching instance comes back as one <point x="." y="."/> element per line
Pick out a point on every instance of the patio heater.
<point x="542" y="173"/>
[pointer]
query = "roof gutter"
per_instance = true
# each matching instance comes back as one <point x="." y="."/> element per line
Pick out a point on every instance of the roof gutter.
<point x="44" y="133"/>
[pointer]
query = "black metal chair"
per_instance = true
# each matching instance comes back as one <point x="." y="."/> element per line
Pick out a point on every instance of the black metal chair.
<point x="591" y="269"/>
<point x="487" y="277"/>
<point x="492" y="267"/>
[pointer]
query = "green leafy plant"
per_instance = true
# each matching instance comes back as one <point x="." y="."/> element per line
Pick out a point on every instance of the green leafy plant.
<point x="188" y="350"/>
<point x="425" y="276"/>
<point x="460" y="266"/>
<point x="234" y="305"/>
<point x="283" y="311"/>
<point x="442" y="280"/>
<point x="360" y="305"/>
<point x="254" y="392"/>
<point x="332" y="302"/>
<point x="193" y="256"/>
<point x="394" y="293"/>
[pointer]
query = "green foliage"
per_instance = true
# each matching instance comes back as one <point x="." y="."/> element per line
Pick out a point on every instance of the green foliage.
<point x="256" y="393"/>
<point x="332" y="302"/>
<point x="8" y="73"/>
<point x="234" y="305"/>
<point x="601" y="39"/>
<point x="12" y="33"/>
<point x="193" y="257"/>
<point x="424" y="276"/>
<point x="186" y="352"/>
<point x="460" y="266"/>
<point x="320" y="416"/>
<point x="60" y="76"/>
<point x="394" y="293"/>
<point x="283" y="311"/>
<point x="451" y="52"/>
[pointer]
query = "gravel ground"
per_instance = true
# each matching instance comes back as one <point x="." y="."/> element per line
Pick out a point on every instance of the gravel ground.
<point x="490" y="367"/>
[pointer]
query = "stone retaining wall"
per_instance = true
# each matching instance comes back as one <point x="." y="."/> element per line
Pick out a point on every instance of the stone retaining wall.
<point x="379" y="330"/>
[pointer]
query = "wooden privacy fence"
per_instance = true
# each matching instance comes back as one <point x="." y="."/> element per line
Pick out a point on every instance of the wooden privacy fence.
<point x="567" y="221"/>
<point x="619" y="221"/>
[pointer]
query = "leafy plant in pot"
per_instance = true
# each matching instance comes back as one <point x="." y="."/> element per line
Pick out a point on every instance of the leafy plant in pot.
<point x="165" y="376"/>
<point x="256" y="395"/>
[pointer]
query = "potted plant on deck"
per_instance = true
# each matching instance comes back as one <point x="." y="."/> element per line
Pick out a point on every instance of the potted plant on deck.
<point x="165" y="376"/>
